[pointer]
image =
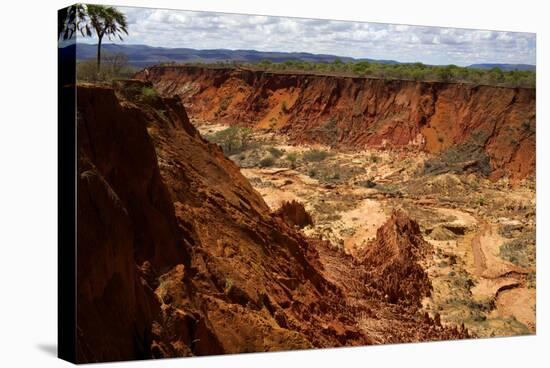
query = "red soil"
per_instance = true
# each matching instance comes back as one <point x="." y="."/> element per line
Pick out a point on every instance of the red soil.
<point x="178" y="255"/>
<point x="393" y="261"/>
<point x="359" y="112"/>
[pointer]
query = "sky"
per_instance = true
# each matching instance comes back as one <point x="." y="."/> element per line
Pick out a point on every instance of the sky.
<point x="404" y="43"/>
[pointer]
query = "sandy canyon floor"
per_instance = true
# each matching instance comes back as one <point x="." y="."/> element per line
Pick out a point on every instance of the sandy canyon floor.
<point x="483" y="266"/>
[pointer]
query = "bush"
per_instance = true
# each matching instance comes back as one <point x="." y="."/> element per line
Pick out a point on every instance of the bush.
<point x="496" y="75"/>
<point x="469" y="156"/>
<point x="149" y="95"/>
<point x="116" y="65"/>
<point x="228" y="285"/>
<point x="445" y="74"/>
<point x="412" y="71"/>
<point x="292" y="157"/>
<point x="224" y="104"/>
<point x="315" y="155"/>
<point x="275" y="152"/>
<point x="232" y="140"/>
<point x="367" y="184"/>
<point x="520" y="251"/>
<point x="86" y="70"/>
<point x="113" y="65"/>
<point x="481" y="201"/>
<point x="267" y="161"/>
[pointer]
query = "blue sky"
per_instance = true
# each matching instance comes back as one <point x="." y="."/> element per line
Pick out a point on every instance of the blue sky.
<point x="431" y="45"/>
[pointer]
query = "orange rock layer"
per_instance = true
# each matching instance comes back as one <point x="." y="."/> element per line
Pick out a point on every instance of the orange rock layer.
<point x="178" y="255"/>
<point x="351" y="112"/>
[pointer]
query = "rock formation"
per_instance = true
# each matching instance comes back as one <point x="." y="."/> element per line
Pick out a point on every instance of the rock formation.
<point x="393" y="261"/>
<point x="125" y="220"/>
<point x="294" y="214"/>
<point x="178" y="255"/>
<point x="363" y="112"/>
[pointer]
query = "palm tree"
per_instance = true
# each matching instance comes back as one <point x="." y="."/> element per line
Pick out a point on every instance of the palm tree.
<point x="70" y="20"/>
<point x="105" y="21"/>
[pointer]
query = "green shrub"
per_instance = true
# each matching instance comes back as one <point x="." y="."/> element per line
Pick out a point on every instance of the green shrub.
<point x="232" y="140"/>
<point x="496" y="75"/>
<point x="315" y="155"/>
<point x="86" y="70"/>
<point x="367" y="183"/>
<point x="445" y="74"/>
<point x="224" y="104"/>
<point x="412" y="71"/>
<point x="292" y="157"/>
<point x="520" y="251"/>
<point x="113" y="65"/>
<point x="228" y="285"/>
<point x="481" y="201"/>
<point x="149" y="94"/>
<point x="275" y="152"/>
<point x="267" y="161"/>
<point x="468" y="156"/>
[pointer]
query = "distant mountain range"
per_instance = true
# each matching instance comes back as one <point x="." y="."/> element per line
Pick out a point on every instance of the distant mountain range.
<point x="143" y="55"/>
<point x="505" y="67"/>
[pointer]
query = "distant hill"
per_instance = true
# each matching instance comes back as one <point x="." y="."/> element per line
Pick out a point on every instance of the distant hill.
<point x="143" y="55"/>
<point x="505" y="67"/>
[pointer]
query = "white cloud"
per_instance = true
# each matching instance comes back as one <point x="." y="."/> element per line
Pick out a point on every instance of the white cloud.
<point x="207" y="30"/>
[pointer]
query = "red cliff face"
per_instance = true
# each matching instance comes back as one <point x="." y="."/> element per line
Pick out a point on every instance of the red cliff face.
<point x="178" y="255"/>
<point x="360" y="112"/>
<point x="125" y="221"/>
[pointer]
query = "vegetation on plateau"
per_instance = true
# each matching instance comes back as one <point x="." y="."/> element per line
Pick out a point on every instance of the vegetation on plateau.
<point x="400" y="71"/>
<point x="113" y="66"/>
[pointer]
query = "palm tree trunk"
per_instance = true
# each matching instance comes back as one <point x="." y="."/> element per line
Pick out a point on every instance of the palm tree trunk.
<point x="100" y="37"/>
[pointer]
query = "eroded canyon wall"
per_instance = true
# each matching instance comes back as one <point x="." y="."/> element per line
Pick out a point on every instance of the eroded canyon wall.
<point x="178" y="255"/>
<point x="351" y="112"/>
